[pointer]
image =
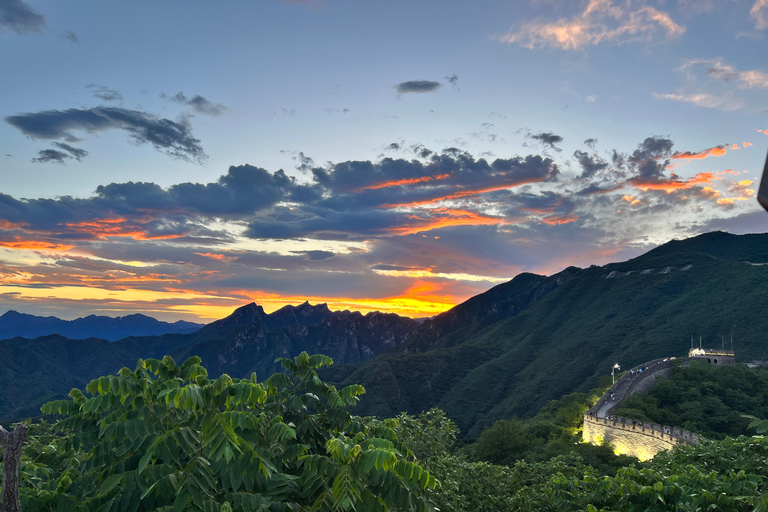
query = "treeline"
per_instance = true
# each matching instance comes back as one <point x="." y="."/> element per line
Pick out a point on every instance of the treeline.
<point x="166" y="437"/>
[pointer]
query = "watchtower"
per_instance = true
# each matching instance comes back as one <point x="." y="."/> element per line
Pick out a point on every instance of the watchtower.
<point x="713" y="356"/>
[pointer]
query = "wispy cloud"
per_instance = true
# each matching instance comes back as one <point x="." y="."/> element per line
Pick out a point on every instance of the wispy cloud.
<point x="718" y="70"/>
<point x="759" y="14"/>
<point x="19" y="17"/>
<point x="602" y="21"/>
<point x="105" y="93"/>
<point x="703" y="99"/>
<point x="198" y="103"/>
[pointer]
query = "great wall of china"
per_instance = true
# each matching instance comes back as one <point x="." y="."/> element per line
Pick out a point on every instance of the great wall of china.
<point x="634" y="437"/>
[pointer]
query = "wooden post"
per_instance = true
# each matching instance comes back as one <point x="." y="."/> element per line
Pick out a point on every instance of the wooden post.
<point x="12" y="443"/>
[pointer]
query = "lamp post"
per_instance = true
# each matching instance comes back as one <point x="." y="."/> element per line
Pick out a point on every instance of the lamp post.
<point x="613" y="370"/>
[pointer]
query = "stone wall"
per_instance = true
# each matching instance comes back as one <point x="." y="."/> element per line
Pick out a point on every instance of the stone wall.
<point x="628" y="436"/>
<point x="637" y="438"/>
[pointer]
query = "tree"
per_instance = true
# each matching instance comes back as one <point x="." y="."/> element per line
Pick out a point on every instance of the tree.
<point x="166" y="437"/>
<point x="11" y="443"/>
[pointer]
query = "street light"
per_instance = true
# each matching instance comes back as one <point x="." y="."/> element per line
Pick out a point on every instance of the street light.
<point x="613" y="370"/>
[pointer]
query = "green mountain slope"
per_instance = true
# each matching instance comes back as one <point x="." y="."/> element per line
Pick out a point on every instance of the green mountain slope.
<point x="561" y="341"/>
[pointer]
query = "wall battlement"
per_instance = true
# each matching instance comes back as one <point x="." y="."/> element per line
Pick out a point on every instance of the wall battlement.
<point x="629" y="436"/>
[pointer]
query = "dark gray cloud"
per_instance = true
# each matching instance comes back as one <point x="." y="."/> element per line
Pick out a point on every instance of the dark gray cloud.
<point x="45" y="156"/>
<point x="453" y="174"/>
<point x="417" y="86"/>
<point x="76" y="153"/>
<point x="72" y="36"/>
<point x="595" y="188"/>
<point x="198" y="103"/>
<point x="243" y="190"/>
<point x="105" y="93"/>
<point x="453" y="80"/>
<point x="650" y="160"/>
<point x="316" y="255"/>
<point x="591" y="143"/>
<point x="19" y="17"/>
<point x="590" y="164"/>
<point x="170" y="137"/>
<point x="548" y="139"/>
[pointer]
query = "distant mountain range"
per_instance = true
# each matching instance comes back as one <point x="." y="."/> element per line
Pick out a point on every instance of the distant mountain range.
<point x="502" y="353"/>
<point x="35" y="371"/>
<point x="13" y="324"/>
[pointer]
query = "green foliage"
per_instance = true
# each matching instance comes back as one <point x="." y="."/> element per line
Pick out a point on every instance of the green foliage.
<point x="710" y="401"/>
<point x="468" y="486"/>
<point x="166" y="437"/>
<point x="728" y="475"/>
<point x="554" y="431"/>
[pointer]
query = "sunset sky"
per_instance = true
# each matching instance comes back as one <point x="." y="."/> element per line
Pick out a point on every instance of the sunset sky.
<point x="181" y="159"/>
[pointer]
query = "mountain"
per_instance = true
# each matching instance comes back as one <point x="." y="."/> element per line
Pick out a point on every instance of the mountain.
<point x="14" y="324"/>
<point x="35" y="371"/>
<point x="508" y="351"/>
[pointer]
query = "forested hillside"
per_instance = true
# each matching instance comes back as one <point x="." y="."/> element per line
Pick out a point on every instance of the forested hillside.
<point x="571" y="330"/>
<point x="249" y="340"/>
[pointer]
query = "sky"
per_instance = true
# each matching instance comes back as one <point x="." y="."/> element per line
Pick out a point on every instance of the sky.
<point x="181" y="159"/>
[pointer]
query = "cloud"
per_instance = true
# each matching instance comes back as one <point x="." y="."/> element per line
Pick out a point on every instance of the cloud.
<point x="45" y="156"/>
<point x="432" y="230"/>
<point x="19" y="17"/>
<point x="105" y="93"/>
<point x="689" y="155"/>
<point x="601" y="21"/>
<point x="72" y="36"/>
<point x="548" y="139"/>
<point x="717" y="70"/>
<point x="759" y="13"/>
<point x="590" y="164"/>
<point x="59" y="157"/>
<point x="172" y="138"/>
<point x="417" y="87"/>
<point x="198" y="103"/>
<point x="704" y="99"/>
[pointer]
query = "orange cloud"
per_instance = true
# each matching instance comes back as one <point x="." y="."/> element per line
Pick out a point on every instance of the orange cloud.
<point x="735" y="147"/>
<point x="463" y="193"/>
<point x="560" y="219"/>
<point x="687" y="155"/>
<point x="763" y="131"/>
<point x="725" y="201"/>
<point x="747" y="144"/>
<point x="34" y="245"/>
<point x="444" y="217"/>
<point x="218" y="257"/>
<point x="676" y="184"/>
<point x="103" y="228"/>
<point x="408" y="181"/>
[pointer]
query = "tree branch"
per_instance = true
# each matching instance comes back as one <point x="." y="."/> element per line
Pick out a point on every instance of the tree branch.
<point x="4" y="436"/>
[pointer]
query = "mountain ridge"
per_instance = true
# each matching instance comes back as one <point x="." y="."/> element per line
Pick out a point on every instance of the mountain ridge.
<point x="15" y="324"/>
